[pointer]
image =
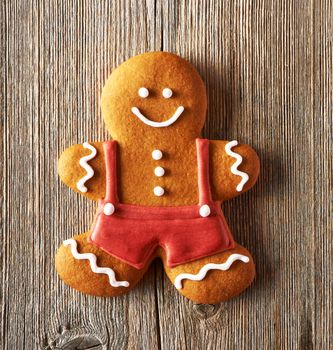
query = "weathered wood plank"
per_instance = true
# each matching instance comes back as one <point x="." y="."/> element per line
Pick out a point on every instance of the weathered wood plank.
<point x="268" y="68"/>
<point x="322" y="175"/>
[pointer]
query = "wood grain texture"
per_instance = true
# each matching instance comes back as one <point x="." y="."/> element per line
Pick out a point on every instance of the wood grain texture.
<point x="268" y="69"/>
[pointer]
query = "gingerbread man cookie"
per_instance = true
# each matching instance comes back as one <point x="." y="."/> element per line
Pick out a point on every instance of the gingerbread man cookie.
<point x="159" y="187"/>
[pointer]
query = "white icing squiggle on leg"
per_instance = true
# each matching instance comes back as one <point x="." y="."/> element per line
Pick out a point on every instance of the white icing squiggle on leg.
<point x="94" y="268"/>
<point x="83" y="162"/>
<point x="234" y="167"/>
<point x="203" y="271"/>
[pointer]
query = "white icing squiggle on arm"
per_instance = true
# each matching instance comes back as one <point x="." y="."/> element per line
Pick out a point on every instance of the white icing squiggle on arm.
<point x="83" y="162"/>
<point x="94" y="268"/>
<point x="203" y="271"/>
<point x="234" y="167"/>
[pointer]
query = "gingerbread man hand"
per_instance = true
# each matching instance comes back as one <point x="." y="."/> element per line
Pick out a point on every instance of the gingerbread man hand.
<point x="159" y="187"/>
<point x="82" y="168"/>
<point x="234" y="170"/>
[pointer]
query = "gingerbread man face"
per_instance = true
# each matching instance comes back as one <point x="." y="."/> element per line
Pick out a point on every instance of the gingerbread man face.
<point x="154" y="95"/>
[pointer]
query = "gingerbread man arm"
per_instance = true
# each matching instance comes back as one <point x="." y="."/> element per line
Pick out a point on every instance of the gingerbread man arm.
<point x="223" y="156"/>
<point x="87" y="178"/>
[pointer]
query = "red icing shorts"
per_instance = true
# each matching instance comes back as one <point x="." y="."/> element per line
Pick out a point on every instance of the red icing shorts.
<point x="186" y="233"/>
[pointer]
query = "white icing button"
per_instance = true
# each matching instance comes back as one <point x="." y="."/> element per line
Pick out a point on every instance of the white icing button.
<point x="157" y="154"/>
<point x="108" y="209"/>
<point x="143" y="92"/>
<point x="204" y="211"/>
<point x="167" y="93"/>
<point x="158" y="191"/>
<point x="159" y="171"/>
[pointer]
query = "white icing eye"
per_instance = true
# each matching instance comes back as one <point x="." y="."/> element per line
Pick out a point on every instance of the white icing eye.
<point x="167" y="93"/>
<point x="143" y="92"/>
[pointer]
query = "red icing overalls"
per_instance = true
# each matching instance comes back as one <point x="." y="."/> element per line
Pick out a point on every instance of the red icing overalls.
<point x="132" y="233"/>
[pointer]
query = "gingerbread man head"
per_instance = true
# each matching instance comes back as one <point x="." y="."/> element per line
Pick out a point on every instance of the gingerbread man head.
<point x="154" y="95"/>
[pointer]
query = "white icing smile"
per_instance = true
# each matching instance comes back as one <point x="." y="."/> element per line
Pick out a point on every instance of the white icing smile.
<point x="163" y="124"/>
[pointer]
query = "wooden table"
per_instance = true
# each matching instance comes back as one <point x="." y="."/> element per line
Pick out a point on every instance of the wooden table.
<point x="268" y="69"/>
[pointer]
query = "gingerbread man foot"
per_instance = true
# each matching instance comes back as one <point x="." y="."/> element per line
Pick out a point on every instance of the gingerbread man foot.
<point x="214" y="279"/>
<point x="89" y="269"/>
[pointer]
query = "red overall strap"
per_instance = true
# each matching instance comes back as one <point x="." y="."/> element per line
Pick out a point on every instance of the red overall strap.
<point x="203" y="171"/>
<point x="110" y="153"/>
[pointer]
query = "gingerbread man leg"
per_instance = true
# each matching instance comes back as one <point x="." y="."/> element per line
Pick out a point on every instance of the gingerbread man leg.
<point x="89" y="269"/>
<point x="216" y="278"/>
